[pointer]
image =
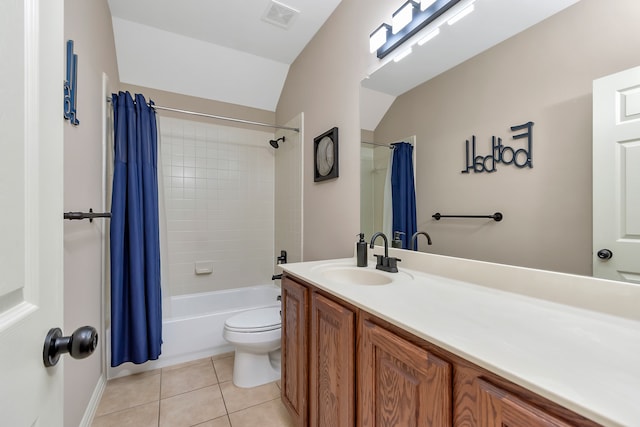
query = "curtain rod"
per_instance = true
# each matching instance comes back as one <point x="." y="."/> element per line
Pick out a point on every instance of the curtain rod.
<point x="212" y="116"/>
<point x="230" y="119"/>
<point x="377" y="144"/>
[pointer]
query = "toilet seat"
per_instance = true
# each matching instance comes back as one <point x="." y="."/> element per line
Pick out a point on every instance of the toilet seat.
<point x="258" y="320"/>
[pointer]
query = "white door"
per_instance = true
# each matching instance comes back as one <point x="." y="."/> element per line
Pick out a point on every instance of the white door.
<point x="31" y="150"/>
<point x="616" y="176"/>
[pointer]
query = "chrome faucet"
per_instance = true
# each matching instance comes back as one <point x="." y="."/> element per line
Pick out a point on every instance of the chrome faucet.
<point x="384" y="262"/>
<point x="414" y="239"/>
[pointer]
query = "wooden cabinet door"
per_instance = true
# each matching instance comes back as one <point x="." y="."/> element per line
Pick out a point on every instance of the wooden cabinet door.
<point x="400" y="384"/>
<point x="499" y="408"/>
<point x="295" y="303"/>
<point x="332" y="359"/>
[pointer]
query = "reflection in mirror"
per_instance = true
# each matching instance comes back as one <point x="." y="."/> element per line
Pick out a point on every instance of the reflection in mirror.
<point x="374" y="163"/>
<point x="544" y="75"/>
<point x="375" y="186"/>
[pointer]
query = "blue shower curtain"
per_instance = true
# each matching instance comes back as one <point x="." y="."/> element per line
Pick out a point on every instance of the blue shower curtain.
<point x="136" y="304"/>
<point x="403" y="192"/>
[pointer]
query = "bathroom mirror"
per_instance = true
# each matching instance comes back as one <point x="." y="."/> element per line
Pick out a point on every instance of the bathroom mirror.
<point x="543" y="75"/>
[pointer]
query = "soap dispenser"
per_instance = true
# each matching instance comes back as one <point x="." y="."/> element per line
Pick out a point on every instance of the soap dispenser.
<point x="397" y="241"/>
<point x="361" y="251"/>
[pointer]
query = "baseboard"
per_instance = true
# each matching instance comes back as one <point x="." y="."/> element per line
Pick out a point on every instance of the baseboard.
<point x="92" y="406"/>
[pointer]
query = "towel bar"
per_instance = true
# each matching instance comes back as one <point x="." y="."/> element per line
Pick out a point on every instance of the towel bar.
<point x="496" y="216"/>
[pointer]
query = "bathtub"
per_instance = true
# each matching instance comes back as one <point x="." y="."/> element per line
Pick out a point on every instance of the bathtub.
<point x="194" y="330"/>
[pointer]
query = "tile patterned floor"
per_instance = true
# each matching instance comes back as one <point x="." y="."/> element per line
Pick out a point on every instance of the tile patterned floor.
<point x="198" y="393"/>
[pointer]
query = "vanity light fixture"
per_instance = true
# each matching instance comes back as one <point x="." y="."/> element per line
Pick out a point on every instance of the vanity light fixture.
<point x="464" y="12"/>
<point x="429" y="36"/>
<point x="407" y="21"/>
<point x="379" y="37"/>
<point x="403" y="16"/>
<point x="424" y="4"/>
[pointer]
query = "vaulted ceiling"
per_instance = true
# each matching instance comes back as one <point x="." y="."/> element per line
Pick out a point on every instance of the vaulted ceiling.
<point x="235" y="51"/>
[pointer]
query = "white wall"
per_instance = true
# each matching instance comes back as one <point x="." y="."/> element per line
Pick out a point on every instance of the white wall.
<point x="197" y="68"/>
<point x="219" y="197"/>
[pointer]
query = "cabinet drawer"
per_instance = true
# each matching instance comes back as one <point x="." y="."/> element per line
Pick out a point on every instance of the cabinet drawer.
<point x="499" y="408"/>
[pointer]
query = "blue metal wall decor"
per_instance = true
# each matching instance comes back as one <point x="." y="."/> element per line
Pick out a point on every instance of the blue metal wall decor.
<point x="521" y="157"/>
<point x="70" y="86"/>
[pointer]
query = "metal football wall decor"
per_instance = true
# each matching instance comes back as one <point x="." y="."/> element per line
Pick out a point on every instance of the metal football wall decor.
<point x="500" y="153"/>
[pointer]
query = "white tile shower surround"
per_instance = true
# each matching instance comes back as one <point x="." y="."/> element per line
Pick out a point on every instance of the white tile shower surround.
<point x="218" y="186"/>
<point x="198" y="393"/>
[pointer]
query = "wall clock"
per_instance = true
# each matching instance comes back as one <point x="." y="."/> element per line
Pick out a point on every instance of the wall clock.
<point x="325" y="155"/>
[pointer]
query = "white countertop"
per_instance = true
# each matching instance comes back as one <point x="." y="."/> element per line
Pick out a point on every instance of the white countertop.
<point x="580" y="355"/>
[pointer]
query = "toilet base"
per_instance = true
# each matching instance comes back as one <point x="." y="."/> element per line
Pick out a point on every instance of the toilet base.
<point x="252" y="370"/>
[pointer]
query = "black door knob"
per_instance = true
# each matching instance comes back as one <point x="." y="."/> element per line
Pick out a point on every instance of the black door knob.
<point x="80" y="344"/>
<point x="605" y="254"/>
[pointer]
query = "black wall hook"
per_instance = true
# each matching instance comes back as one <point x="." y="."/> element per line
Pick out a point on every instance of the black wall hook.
<point x="84" y="215"/>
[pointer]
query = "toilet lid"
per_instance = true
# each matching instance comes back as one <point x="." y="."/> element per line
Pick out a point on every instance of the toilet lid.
<point x="258" y="320"/>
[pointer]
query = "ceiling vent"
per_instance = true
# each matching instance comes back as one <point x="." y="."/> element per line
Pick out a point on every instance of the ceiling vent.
<point x="280" y="14"/>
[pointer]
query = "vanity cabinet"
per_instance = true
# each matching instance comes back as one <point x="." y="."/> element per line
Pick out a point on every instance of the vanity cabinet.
<point x="400" y="384"/>
<point x="318" y="357"/>
<point x="343" y="367"/>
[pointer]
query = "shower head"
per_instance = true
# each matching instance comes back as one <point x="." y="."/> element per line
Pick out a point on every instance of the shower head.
<point x="274" y="142"/>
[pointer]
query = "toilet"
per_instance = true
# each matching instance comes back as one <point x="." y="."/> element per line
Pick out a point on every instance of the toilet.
<point x="256" y="336"/>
